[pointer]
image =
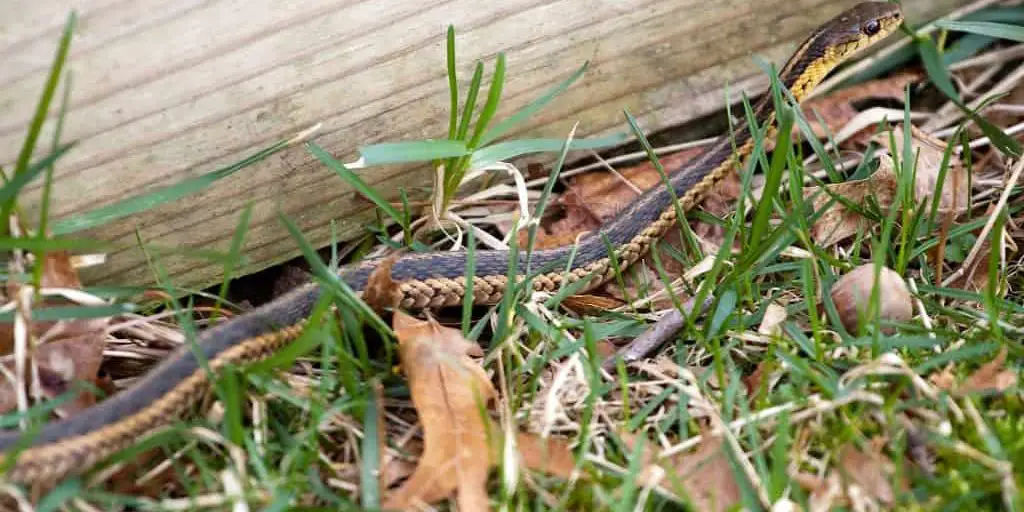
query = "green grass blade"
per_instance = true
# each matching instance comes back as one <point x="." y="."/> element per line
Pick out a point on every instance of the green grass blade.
<point x="453" y="83"/>
<point x="58" y="498"/>
<point x="937" y="72"/>
<point x="470" y="106"/>
<point x="44" y="203"/>
<point x="354" y="181"/>
<point x="411" y="151"/>
<point x="328" y="279"/>
<point x="369" y="489"/>
<point x="13" y="187"/>
<point x="532" y="108"/>
<point x="55" y="313"/>
<point x="133" y="205"/>
<point x="506" y="150"/>
<point x="39" y="116"/>
<point x="773" y="180"/>
<point x="491" y="106"/>
<point x="36" y="244"/>
<point x="234" y="253"/>
<point x="985" y="28"/>
<point x="940" y="77"/>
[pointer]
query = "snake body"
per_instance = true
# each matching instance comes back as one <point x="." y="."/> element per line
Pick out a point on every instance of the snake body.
<point x="428" y="280"/>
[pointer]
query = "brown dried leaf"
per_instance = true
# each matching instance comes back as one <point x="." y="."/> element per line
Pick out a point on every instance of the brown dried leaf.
<point x="870" y="471"/>
<point x="381" y="291"/>
<point x="756" y="381"/>
<point x="550" y="455"/>
<point x="774" y="316"/>
<point x="943" y="379"/>
<point x="838" y="223"/>
<point x="595" y="197"/>
<point x="991" y="376"/>
<point x="69" y="352"/>
<point x="461" y="442"/>
<point x="719" y="201"/>
<point x="703" y="476"/>
<point x="838" y="109"/>
<point x="825" y="492"/>
<point x="593" y="304"/>
<point x="954" y="193"/>
<point x="449" y="391"/>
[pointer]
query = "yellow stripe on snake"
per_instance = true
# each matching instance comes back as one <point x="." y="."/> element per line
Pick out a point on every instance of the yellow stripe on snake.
<point x="428" y="280"/>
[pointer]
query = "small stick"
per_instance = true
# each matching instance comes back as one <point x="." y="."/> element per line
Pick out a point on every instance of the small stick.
<point x="663" y="330"/>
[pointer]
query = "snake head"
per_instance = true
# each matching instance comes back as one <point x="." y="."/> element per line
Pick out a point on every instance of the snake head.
<point x="861" y="26"/>
<point x="836" y="41"/>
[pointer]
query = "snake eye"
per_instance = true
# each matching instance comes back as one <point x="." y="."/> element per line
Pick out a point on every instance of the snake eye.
<point x="872" y="27"/>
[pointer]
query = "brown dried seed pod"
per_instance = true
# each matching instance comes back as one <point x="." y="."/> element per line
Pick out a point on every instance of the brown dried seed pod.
<point x="852" y="295"/>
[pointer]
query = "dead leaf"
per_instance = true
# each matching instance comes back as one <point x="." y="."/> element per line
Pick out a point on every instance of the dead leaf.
<point x="870" y="471"/>
<point x="381" y="291"/>
<point x="605" y="349"/>
<point x="461" y="442"/>
<point x="68" y="353"/>
<point x="991" y="376"/>
<point x="839" y="108"/>
<point x="596" y="197"/>
<point x="593" y="304"/>
<point x="863" y="478"/>
<point x="757" y="381"/>
<point x="449" y="391"/>
<point x="825" y="492"/>
<point x="720" y="201"/>
<point x="929" y="150"/>
<point x="771" y="324"/>
<point x="550" y="455"/>
<point x="704" y="476"/>
<point x="839" y="223"/>
<point x="943" y="379"/>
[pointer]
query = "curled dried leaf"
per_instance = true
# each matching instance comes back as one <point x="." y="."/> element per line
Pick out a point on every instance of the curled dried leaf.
<point x="991" y="376"/>
<point x="450" y="393"/>
<point x="462" y="443"/>
<point x="774" y="315"/>
<point x="839" y="222"/>
<point x="381" y="291"/>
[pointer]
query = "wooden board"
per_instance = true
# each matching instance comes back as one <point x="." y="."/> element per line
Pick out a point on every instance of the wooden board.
<point x="168" y="89"/>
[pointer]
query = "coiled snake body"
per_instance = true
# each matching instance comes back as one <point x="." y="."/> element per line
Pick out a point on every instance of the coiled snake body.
<point x="427" y="280"/>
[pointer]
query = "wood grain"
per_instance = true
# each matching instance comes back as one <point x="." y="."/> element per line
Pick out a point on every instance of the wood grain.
<point x="168" y="89"/>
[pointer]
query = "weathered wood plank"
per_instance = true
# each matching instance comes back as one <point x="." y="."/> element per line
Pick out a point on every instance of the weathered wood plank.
<point x="167" y="89"/>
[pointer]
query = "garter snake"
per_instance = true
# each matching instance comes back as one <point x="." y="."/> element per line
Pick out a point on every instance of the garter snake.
<point x="427" y="280"/>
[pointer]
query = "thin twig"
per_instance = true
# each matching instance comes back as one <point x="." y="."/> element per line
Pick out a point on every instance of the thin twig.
<point x="663" y="330"/>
